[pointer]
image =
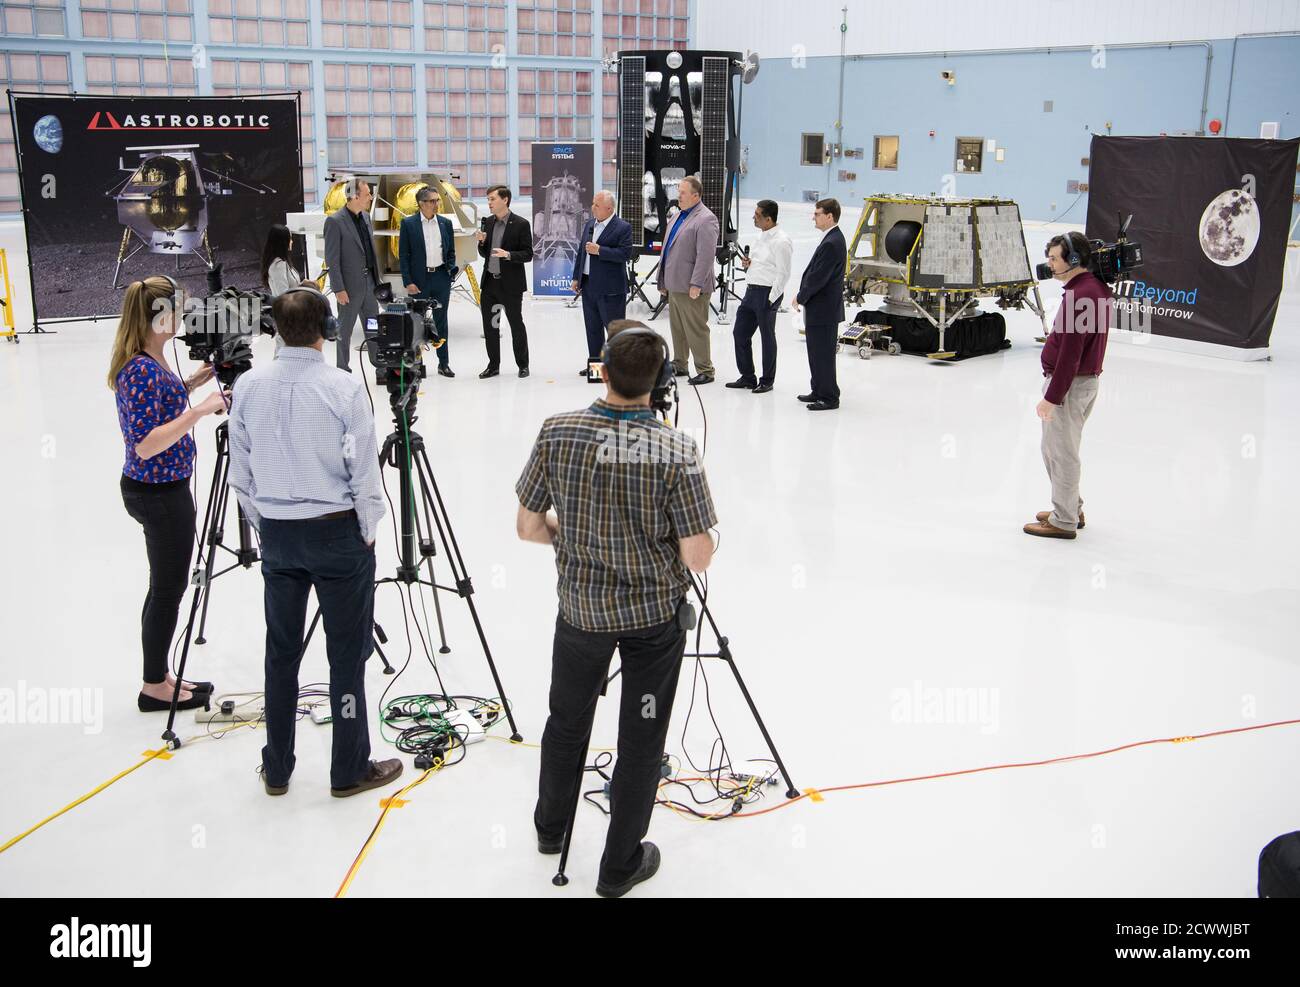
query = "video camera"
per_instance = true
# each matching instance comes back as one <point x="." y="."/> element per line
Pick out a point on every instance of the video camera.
<point x="220" y="328"/>
<point x="396" y="337"/>
<point x="1110" y="262"/>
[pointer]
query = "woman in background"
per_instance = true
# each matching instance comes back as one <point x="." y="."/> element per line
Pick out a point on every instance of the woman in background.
<point x="154" y="414"/>
<point x="278" y="273"/>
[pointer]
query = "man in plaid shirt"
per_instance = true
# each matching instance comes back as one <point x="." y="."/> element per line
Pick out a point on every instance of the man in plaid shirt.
<point x="631" y="514"/>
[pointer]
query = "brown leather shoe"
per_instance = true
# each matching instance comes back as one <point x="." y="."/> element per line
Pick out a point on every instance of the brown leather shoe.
<point x="1047" y="530"/>
<point x="1042" y="517"/>
<point x="378" y="774"/>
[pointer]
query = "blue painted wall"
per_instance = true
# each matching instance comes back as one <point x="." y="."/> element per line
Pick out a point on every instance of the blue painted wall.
<point x="1000" y="96"/>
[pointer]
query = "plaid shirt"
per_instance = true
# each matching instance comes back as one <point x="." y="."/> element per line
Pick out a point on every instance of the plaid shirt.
<point x="625" y="488"/>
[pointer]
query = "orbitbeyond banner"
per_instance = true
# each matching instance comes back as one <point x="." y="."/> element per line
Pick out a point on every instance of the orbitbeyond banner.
<point x="1212" y="215"/>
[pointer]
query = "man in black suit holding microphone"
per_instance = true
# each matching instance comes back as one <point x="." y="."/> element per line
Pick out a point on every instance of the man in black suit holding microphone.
<point x="506" y="245"/>
<point x="600" y="271"/>
<point x="426" y="249"/>
<point x="821" y="294"/>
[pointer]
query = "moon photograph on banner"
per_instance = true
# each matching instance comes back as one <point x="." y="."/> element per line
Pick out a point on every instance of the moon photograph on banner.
<point x="1230" y="227"/>
<point x="563" y="184"/>
<point x="115" y="189"/>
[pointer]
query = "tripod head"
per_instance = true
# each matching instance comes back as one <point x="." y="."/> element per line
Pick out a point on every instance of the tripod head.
<point x="403" y="393"/>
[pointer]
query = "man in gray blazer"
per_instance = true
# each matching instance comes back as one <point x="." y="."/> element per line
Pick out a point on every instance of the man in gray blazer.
<point x="686" y="273"/>
<point x="353" y="267"/>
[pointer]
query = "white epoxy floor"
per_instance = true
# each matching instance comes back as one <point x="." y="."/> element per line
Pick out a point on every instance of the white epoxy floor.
<point x="871" y="564"/>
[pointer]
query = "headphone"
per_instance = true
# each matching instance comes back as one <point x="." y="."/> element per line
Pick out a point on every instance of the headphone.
<point x="330" y="326"/>
<point x="664" y="379"/>
<point x="1072" y="258"/>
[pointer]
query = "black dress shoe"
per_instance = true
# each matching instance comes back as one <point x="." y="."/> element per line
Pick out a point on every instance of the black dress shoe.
<point x="823" y="406"/>
<point x="680" y="373"/>
<point x="649" y="867"/>
<point x="489" y="372"/>
<point x="548" y="846"/>
<point x="762" y="388"/>
<point x="807" y="398"/>
<point x="148" y="704"/>
<point x="699" y="379"/>
<point x="743" y="382"/>
<point x="523" y="372"/>
<point x="446" y="372"/>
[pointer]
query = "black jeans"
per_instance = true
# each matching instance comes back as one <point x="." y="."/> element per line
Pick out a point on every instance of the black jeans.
<point x="499" y="304"/>
<point x="756" y="314"/>
<point x="652" y="660"/>
<point x="330" y="556"/>
<point x="166" y="512"/>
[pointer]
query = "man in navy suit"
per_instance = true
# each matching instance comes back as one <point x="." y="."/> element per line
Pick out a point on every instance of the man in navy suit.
<point x="426" y="248"/>
<point x="821" y="294"/>
<point x="600" y="271"/>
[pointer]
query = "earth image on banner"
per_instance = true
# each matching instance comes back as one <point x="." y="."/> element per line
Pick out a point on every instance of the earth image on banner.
<point x="49" y="134"/>
<point x="1230" y="227"/>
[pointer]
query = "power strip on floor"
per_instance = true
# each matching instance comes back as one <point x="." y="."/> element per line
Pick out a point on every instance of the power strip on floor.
<point x="230" y="712"/>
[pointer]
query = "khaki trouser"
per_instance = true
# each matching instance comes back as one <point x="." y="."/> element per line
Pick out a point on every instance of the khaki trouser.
<point x="689" y="321"/>
<point x="1062" y="434"/>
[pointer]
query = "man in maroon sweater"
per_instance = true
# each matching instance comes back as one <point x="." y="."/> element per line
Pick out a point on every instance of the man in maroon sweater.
<point x="1071" y="366"/>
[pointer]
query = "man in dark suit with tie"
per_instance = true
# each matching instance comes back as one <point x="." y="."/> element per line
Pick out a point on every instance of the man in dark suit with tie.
<point x="506" y="244"/>
<point x="426" y="249"/>
<point x="821" y="294"/>
<point x="600" y="271"/>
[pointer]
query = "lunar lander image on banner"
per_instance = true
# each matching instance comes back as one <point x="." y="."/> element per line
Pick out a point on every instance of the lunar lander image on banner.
<point x="558" y="224"/>
<point x="163" y="203"/>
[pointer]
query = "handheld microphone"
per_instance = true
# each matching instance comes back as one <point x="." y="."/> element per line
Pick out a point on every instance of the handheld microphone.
<point x="746" y="250"/>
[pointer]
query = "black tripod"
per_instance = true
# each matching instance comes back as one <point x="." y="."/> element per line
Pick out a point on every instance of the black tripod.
<point x="404" y="451"/>
<point x="213" y="538"/>
<point x="724" y="652"/>
<point x="214" y="526"/>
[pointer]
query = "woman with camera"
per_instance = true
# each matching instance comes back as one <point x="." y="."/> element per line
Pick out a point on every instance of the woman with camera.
<point x="155" y="416"/>
<point x="278" y="272"/>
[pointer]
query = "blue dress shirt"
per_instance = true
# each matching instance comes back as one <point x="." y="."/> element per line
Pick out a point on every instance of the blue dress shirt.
<point x="302" y="442"/>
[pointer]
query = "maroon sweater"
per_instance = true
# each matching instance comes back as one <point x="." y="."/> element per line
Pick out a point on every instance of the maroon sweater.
<point x="1077" y="342"/>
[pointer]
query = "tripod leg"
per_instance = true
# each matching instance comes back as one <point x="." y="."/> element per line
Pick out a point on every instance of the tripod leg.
<point x="388" y="669"/>
<point x="464" y="586"/>
<point x="215" y="519"/>
<point x="310" y="631"/>
<point x="725" y="653"/>
<point x="561" y="879"/>
<point x="169" y="734"/>
<point x="427" y="503"/>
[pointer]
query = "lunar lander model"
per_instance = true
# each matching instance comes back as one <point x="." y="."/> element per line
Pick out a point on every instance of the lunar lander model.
<point x="933" y="259"/>
<point x="164" y="201"/>
<point x="394" y="200"/>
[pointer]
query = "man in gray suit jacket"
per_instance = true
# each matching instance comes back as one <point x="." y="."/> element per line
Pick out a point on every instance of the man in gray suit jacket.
<point x="353" y="267"/>
<point x="686" y="273"/>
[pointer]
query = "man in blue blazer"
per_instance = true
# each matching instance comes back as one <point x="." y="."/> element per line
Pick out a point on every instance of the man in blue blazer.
<point x="600" y="271"/>
<point x="426" y="248"/>
<point x="821" y="294"/>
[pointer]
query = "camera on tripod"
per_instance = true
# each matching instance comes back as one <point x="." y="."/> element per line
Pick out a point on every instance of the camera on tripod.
<point x="396" y="337"/>
<point x="220" y="328"/>
<point x="1109" y="262"/>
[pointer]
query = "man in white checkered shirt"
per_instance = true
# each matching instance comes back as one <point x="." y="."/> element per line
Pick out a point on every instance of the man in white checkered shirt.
<point x="304" y="466"/>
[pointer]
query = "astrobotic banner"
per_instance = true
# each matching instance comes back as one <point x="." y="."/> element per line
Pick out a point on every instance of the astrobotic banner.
<point x="117" y="188"/>
<point x="1212" y="215"/>
<point x="563" y="182"/>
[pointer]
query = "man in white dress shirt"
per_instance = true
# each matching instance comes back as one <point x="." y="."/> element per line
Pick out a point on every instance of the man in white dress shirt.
<point x="426" y="251"/>
<point x="768" y="267"/>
